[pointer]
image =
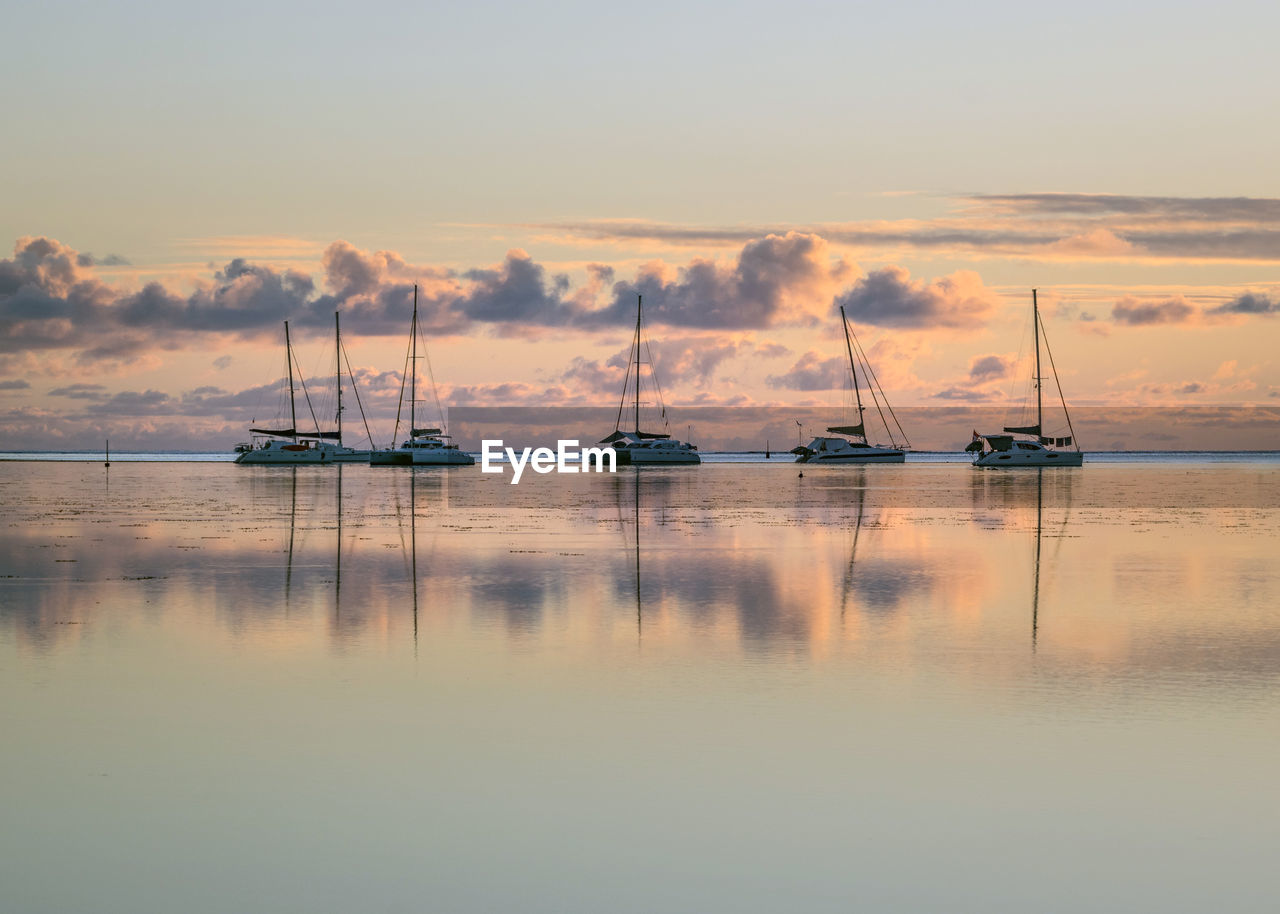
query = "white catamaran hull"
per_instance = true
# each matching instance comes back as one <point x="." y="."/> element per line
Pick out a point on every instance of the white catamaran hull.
<point x="390" y="458"/>
<point x="286" y="453"/>
<point x="270" y="456"/>
<point x="398" y="458"/>
<point x="1019" y="458"/>
<point x="421" y="456"/>
<point x="873" y="455"/>
<point x="846" y="451"/>
<point x="451" y="459"/>
<point x="350" y="455"/>
<point x="656" y="456"/>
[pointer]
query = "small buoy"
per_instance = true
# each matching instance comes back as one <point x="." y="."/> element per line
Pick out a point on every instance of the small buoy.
<point x="802" y="474"/>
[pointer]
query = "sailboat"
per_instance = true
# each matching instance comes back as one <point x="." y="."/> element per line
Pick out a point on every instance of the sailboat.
<point x="424" y="446"/>
<point x="292" y="447"/>
<point x="636" y="447"/>
<point x="852" y="446"/>
<point x="1027" y="445"/>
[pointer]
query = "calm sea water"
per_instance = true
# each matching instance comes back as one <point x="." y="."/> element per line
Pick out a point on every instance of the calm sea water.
<point x="911" y="688"/>
<point x="778" y="457"/>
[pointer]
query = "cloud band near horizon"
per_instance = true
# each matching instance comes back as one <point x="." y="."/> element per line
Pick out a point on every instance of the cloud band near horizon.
<point x="50" y="298"/>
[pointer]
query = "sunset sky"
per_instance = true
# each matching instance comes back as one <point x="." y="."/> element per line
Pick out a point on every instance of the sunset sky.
<point x="177" y="181"/>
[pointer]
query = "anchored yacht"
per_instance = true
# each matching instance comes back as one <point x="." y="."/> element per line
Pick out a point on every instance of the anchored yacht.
<point x="635" y="447"/>
<point x="424" y="446"/>
<point x="289" y="446"/>
<point x="1027" y="445"/>
<point x="852" y="446"/>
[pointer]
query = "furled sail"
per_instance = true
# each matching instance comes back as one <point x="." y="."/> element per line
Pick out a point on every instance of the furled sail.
<point x="426" y="431"/>
<point x="1033" y="430"/>
<point x="639" y="436"/>
<point x="858" y="429"/>
<point x="294" y="433"/>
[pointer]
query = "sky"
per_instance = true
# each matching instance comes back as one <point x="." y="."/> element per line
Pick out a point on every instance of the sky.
<point x="177" y="182"/>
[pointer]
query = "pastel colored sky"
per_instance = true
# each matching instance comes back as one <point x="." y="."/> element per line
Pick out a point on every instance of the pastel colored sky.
<point x="176" y="181"/>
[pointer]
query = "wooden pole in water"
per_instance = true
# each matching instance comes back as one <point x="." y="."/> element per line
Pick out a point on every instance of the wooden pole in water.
<point x="107" y="462"/>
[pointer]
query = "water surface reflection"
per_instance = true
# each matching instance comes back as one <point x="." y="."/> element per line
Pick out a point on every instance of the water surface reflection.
<point x="901" y="688"/>
<point x="864" y="560"/>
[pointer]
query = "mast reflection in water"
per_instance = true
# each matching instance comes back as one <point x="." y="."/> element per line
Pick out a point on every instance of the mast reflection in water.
<point x="254" y="674"/>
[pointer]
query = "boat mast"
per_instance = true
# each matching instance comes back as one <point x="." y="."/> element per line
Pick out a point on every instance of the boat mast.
<point x="413" y="378"/>
<point x="639" y="300"/>
<point x="844" y="322"/>
<point x="288" y="357"/>
<point x="1035" y="324"/>
<point x="337" y="337"/>
<point x="633" y="360"/>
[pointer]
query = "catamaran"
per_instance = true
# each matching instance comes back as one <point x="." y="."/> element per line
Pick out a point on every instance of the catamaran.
<point x="290" y="446"/>
<point x="1027" y="445"/>
<point x="852" y="445"/>
<point x="424" y="446"/>
<point x="635" y="447"/>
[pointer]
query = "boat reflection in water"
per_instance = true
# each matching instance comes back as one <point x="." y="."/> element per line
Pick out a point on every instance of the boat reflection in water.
<point x="762" y="666"/>
<point x="1025" y="494"/>
<point x="736" y="557"/>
